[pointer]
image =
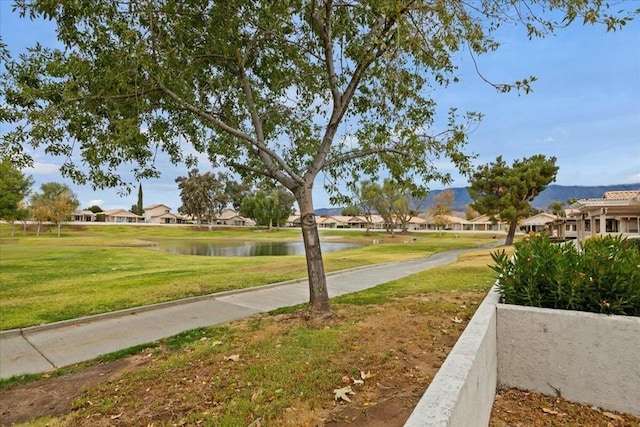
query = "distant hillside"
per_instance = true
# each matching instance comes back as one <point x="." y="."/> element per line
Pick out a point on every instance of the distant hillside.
<point x="552" y="193"/>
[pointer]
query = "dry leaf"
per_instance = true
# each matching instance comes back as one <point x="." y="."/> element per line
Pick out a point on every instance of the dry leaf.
<point x="233" y="358"/>
<point x="342" y="393"/>
<point x="358" y="382"/>
<point x="256" y="395"/>
<point x="549" y="411"/>
<point x="456" y="320"/>
<point x="347" y="380"/>
<point x="215" y="343"/>
<point x="613" y="416"/>
<point x="365" y="375"/>
<point x="115" y="417"/>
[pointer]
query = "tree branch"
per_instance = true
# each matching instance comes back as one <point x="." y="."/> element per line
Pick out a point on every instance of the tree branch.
<point x="267" y="156"/>
<point x="359" y="154"/>
<point x="207" y="116"/>
<point x="374" y="49"/>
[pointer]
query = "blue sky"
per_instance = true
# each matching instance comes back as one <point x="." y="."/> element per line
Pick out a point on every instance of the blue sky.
<point x="584" y="109"/>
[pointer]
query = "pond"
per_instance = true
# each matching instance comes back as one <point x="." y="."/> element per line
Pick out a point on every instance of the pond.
<point x="244" y="248"/>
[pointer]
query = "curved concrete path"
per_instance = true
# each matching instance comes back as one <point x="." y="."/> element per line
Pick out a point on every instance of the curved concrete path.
<point x="43" y="348"/>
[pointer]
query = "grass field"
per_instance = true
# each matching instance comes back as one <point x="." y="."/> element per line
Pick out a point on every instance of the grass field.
<point x="285" y="370"/>
<point x="101" y="268"/>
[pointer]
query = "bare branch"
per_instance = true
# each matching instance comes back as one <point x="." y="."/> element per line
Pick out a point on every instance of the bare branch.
<point x="359" y="154"/>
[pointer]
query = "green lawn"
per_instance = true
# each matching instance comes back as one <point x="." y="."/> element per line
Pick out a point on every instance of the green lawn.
<point x="97" y="269"/>
<point x="287" y="368"/>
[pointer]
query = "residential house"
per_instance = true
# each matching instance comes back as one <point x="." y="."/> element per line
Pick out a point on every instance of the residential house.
<point x="537" y="223"/>
<point x="446" y="222"/>
<point x="83" y="216"/>
<point x="616" y="213"/>
<point x="159" y="214"/>
<point x="485" y="223"/>
<point x="121" y="216"/>
<point x="232" y="218"/>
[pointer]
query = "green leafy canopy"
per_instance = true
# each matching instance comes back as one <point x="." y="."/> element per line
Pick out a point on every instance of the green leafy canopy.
<point x="261" y="87"/>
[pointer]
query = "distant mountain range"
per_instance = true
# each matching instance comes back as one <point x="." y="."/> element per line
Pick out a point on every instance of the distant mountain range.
<point x="552" y="193"/>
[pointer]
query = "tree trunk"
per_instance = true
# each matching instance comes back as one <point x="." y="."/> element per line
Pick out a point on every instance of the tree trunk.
<point x="59" y="225"/>
<point x="512" y="232"/>
<point x="38" y="229"/>
<point x="319" y="306"/>
<point x="13" y="228"/>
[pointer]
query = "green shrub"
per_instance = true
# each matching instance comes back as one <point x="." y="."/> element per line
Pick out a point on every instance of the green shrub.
<point x="602" y="278"/>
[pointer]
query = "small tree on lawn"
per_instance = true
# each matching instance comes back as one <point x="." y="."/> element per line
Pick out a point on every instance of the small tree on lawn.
<point x="505" y="192"/>
<point x="441" y="209"/>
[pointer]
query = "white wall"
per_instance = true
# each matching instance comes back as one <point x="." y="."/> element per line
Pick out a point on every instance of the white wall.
<point x="585" y="357"/>
<point x="463" y="390"/>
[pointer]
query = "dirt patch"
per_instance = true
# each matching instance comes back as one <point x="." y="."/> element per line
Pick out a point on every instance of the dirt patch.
<point x="514" y="408"/>
<point x="55" y="395"/>
<point x="402" y="344"/>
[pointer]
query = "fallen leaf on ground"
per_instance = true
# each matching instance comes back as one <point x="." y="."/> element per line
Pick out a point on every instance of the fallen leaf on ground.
<point x="347" y="380"/>
<point x="115" y="417"/>
<point x="456" y="320"/>
<point x="549" y="411"/>
<point x="215" y="343"/>
<point x="233" y="358"/>
<point x="613" y="416"/>
<point x="341" y="393"/>
<point x="365" y="375"/>
<point x="358" y="382"/>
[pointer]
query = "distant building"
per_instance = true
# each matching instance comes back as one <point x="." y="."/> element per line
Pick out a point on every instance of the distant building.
<point x="537" y="223"/>
<point x="616" y="213"/>
<point x="121" y="216"/>
<point x="83" y="216"/>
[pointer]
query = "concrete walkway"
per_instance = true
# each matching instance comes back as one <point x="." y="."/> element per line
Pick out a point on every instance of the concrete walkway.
<point x="42" y="348"/>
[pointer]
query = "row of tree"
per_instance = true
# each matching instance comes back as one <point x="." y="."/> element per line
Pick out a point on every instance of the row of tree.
<point x="55" y="202"/>
<point x="498" y="190"/>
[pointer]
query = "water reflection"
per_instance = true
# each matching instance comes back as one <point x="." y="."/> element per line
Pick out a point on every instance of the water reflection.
<point x="244" y="249"/>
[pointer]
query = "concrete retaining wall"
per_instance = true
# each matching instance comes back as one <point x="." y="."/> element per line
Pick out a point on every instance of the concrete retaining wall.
<point x="584" y="357"/>
<point x="463" y="390"/>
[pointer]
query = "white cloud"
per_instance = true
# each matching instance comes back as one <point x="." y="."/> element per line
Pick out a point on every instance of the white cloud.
<point x="548" y="139"/>
<point x="43" y="169"/>
<point x="96" y="202"/>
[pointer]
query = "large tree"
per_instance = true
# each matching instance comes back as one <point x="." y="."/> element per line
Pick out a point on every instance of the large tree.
<point x="262" y="87"/>
<point x="504" y="192"/>
<point x="14" y="188"/>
